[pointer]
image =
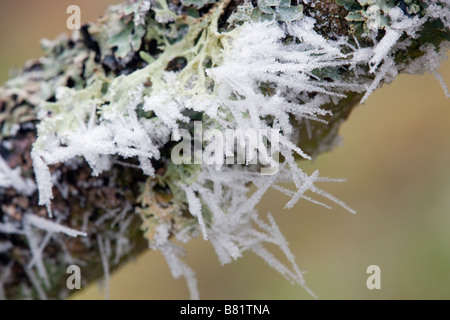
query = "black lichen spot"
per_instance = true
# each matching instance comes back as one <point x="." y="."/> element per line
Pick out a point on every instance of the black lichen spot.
<point x="152" y="48"/>
<point x="70" y="44"/>
<point x="90" y="42"/>
<point x="4" y="152"/>
<point x="177" y="64"/>
<point x="229" y="10"/>
<point x="34" y="67"/>
<point x="70" y="83"/>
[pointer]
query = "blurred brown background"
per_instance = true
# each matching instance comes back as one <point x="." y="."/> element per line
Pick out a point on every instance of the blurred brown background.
<point x="395" y="156"/>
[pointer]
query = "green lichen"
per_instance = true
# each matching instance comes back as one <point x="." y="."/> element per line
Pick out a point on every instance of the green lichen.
<point x="280" y="10"/>
<point x="162" y="201"/>
<point x="197" y="3"/>
<point x="366" y="16"/>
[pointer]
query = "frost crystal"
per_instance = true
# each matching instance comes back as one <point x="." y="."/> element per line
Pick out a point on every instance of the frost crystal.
<point x="12" y="178"/>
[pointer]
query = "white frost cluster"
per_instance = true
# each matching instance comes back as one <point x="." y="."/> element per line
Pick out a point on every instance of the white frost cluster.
<point x="439" y="9"/>
<point x="11" y="178"/>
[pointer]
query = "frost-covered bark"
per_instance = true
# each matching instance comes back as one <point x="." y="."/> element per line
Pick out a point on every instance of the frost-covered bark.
<point x="87" y="131"/>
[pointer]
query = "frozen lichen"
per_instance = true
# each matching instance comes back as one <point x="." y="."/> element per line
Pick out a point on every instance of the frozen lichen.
<point x="373" y="15"/>
<point x="266" y="10"/>
<point x="154" y="67"/>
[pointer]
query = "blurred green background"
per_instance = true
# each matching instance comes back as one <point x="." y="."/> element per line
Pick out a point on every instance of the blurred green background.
<point x="395" y="156"/>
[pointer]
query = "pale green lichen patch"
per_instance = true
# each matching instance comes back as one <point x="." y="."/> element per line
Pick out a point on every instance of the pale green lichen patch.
<point x="372" y="15"/>
<point x="266" y="10"/>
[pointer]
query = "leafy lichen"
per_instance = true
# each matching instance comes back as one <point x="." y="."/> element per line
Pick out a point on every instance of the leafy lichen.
<point x="366" y="16"/>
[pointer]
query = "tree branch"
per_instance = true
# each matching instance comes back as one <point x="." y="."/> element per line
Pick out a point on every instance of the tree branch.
<point x="123" y="208"/>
